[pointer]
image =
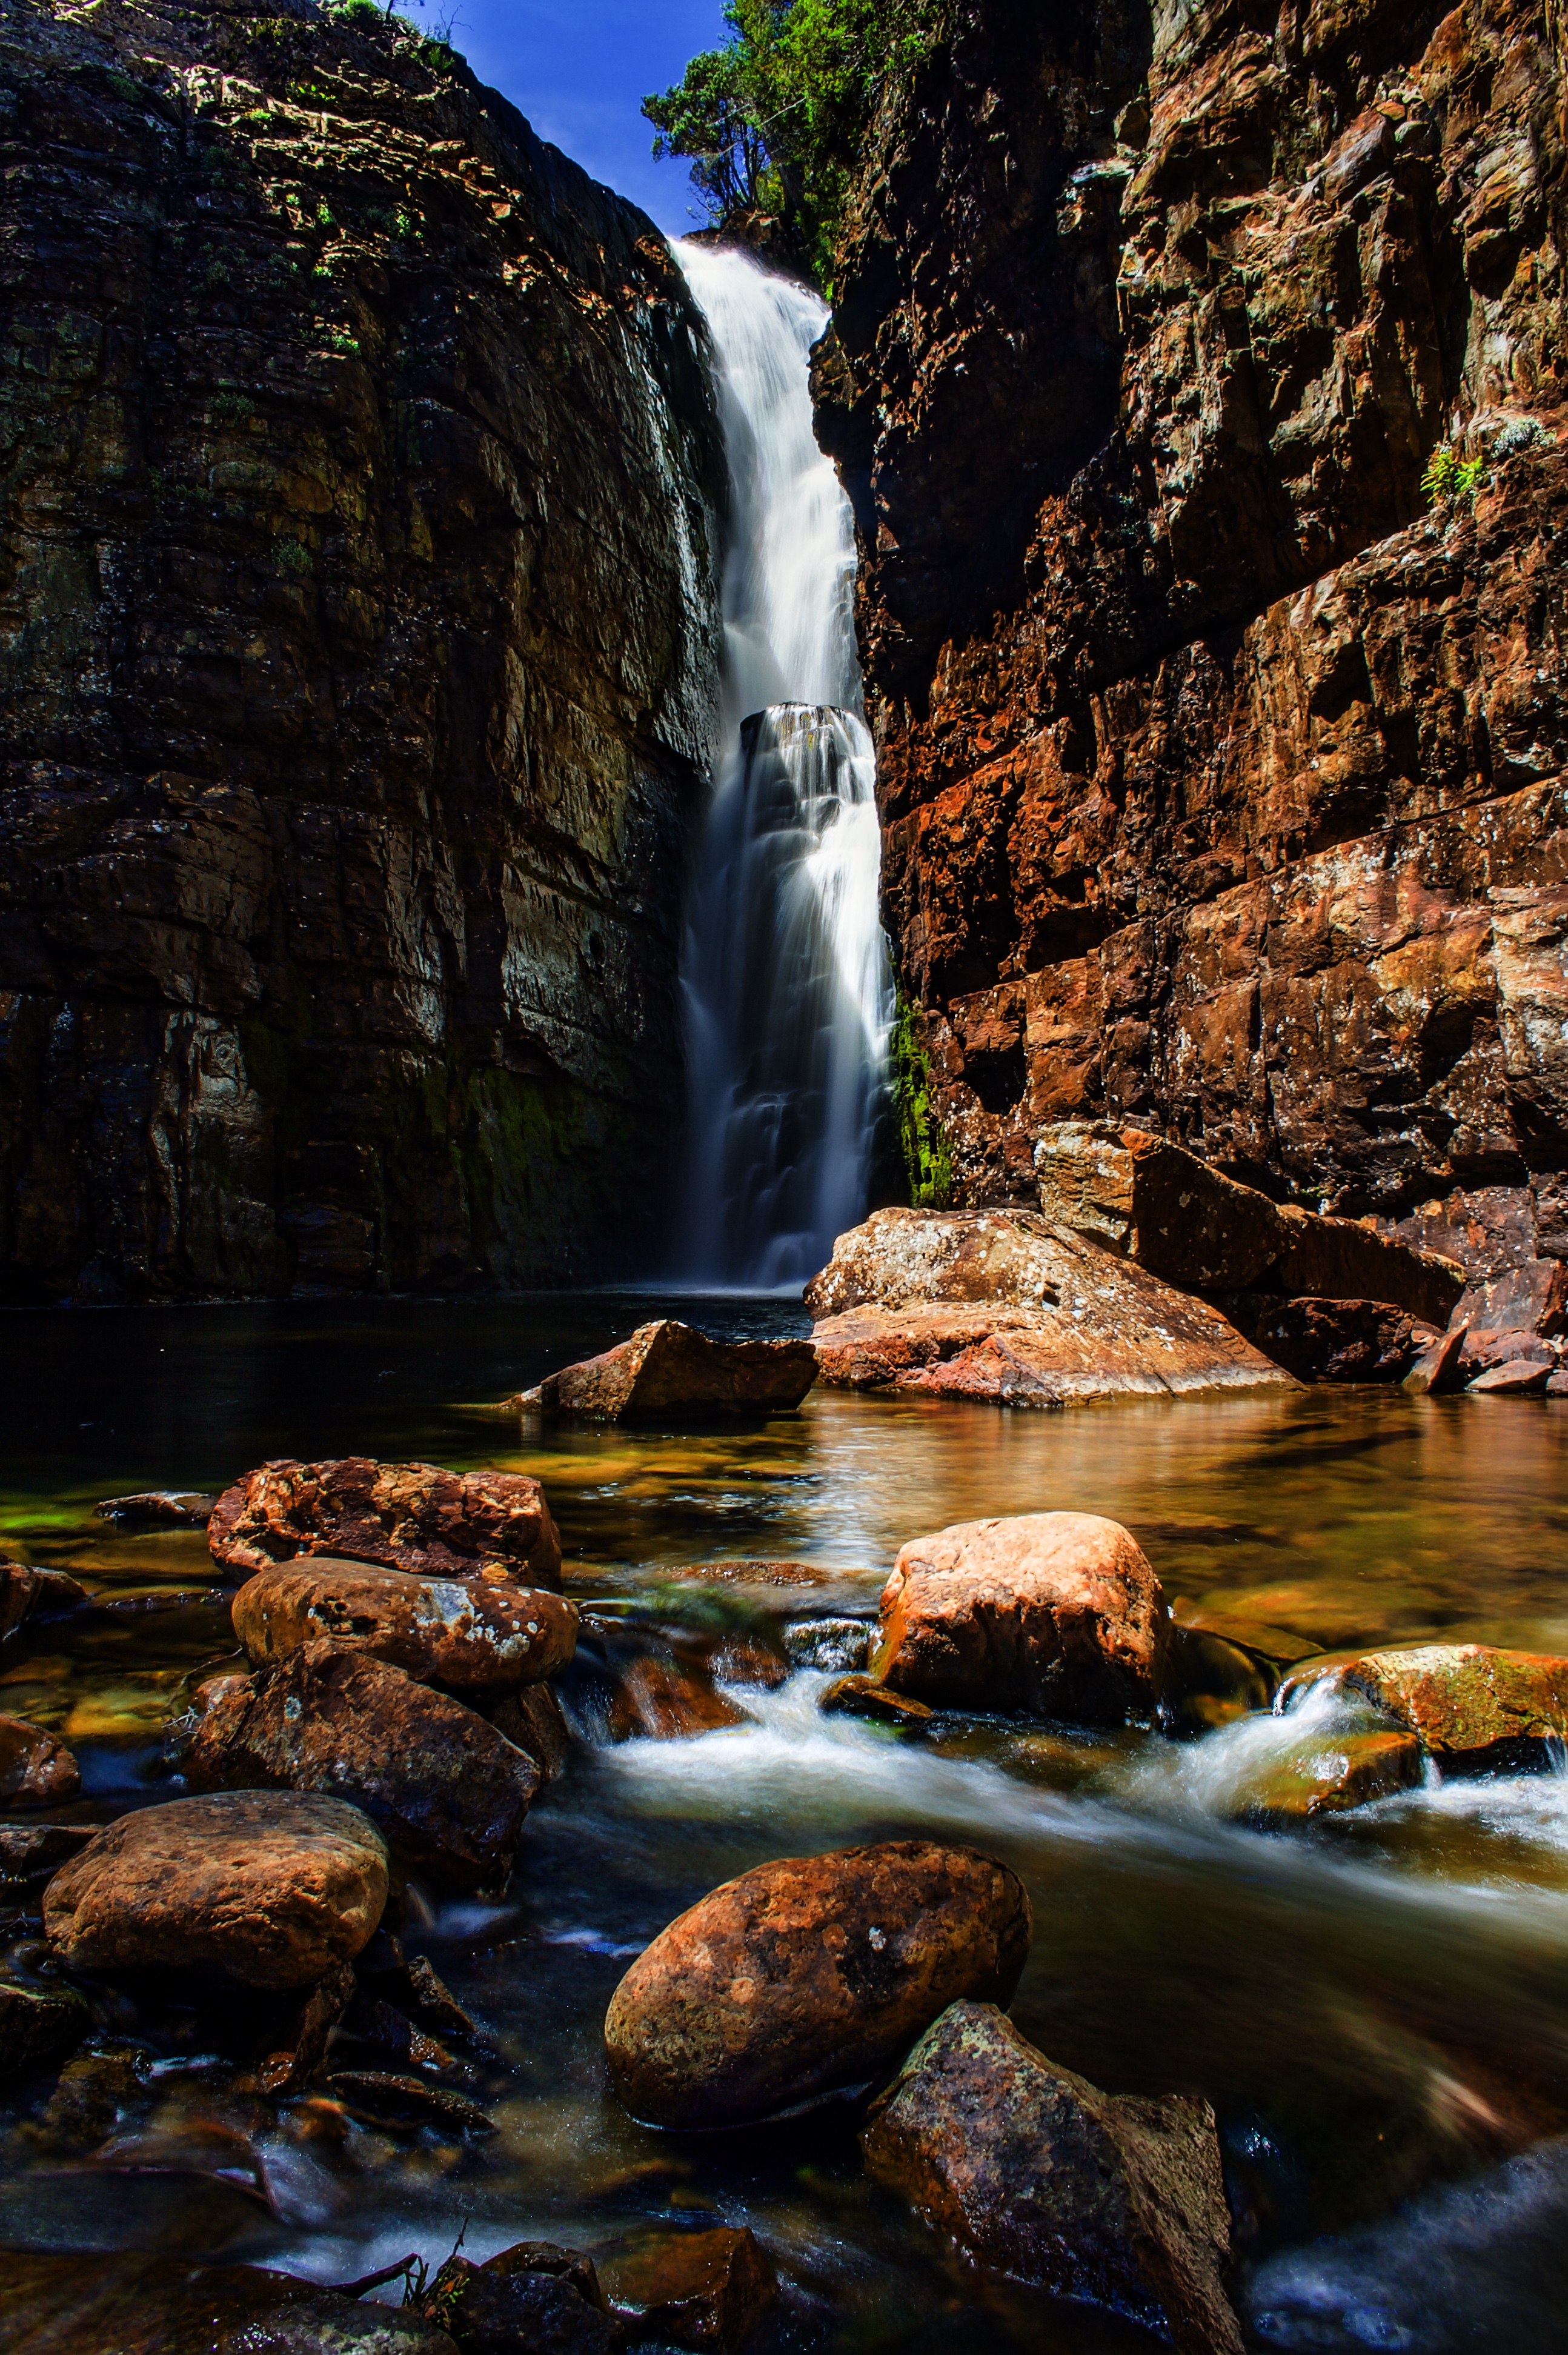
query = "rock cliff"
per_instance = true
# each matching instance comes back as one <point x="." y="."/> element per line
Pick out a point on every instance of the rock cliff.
<point x="1220" y="756"/>
<point x="357" y="637"/>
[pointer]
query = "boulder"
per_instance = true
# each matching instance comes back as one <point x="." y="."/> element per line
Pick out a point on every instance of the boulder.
<point x="531" y="1719"/>
<point x="1438" y="1367"/>
<point x="35" y="1771"/>
<point x="40" y="2022"/>
<point x="158" y="1508"/>
<point x="1117" y="2201"/>
<point x="412" y="1517"/>
<point x="1341" y="1340"/>
<point x="839" y="1645"/>
<point x="703" y="2290"/>
<point x="1480" y="1352"/>
<point x="29" y="1850"/>
<point x="448" y="1792"/>
<point x="1161" y="1206"/>
<point x="664" y="1701"/>
<point x="533" y="2296"/>
<point x="809" y="1974"/>
<point x="28" y="1593"/>
<point x="1340" y="1771"/>
<point x="272" y="1888"/>
<point x="860" y="1696"/>
<point x="1005" y="1308"/>
<point x="1515" y="1377"/>
<point x="1057" y="1615"/>
<point x="117" y="2303"/>
<point x="1475" y="1708"/>
<point x="1530" y="1298"/>
<point x="669" y="1368"/>
<point x="459" y="1632"/>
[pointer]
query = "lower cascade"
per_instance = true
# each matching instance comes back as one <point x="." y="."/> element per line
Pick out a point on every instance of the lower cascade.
<point x="785" y="969"/>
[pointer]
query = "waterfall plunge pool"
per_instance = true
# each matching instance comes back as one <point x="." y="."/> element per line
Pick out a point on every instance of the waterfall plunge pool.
<point x="1378" y="2011"/>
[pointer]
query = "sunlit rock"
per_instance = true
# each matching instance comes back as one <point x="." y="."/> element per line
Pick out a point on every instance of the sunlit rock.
<point x="460" y="1632"/>
<point x="808" y="1974"/>
<point x="1031" y="2170"/>
<point x="1058" y="1615"/>
<point x="670" y="1368"/>
<point x="413" y="1517"/>
<point x="1340" y="1771"/>
<point x="1475" y="1707"/>
<point x="271" y="1886"/>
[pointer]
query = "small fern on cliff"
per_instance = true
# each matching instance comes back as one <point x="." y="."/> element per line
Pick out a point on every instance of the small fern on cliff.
<point x="1452" y="481"/>
<point x="928" y="1164"/>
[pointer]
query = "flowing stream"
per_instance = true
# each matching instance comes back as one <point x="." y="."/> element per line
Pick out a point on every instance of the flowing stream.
<point x="785" y="968"/>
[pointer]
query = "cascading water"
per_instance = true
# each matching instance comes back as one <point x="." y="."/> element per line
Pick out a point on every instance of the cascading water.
<point x="787" y="994"/>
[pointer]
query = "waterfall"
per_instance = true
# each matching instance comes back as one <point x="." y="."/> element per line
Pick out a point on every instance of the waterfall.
<point x="784" y="967"/>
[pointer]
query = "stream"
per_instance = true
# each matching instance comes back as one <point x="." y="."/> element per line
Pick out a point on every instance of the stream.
<point x="1378" y="2010"/>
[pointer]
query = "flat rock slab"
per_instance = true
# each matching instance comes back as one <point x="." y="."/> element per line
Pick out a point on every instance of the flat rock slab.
<point x="806" y="1975"/>
<point x="470" y="1632"/>
<point x="669" y="1368"/>
<point x="272" y="1887"/>
<point x="1005" y="1308"/>
<point x="35" y="1770"/>
<point x="27" y="1594"/>
<point x="1329" y="1776"/>
<point x="1475" y="1708"/>
<point x="1055" y="1614"/>
<point x="1036" y="2173"/>
<point x="413" y="1517"/>
<point x="448" y="1790"/>
<point x="158" y="1508"/>
<point x="162" y="2306"/>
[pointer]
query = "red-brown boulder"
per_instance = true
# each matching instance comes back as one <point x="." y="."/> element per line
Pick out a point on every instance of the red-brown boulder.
<point x="411" y="1517"/>
<point x="450" y="1631"/>
<point x="1058" y="1614"/>
<point x="28" y="1593"/>
<point x="670" y="1368"/>
<point x="35" y="1771"/>
<point x="707" y="2291"/>
<point x="809" y="1973"/>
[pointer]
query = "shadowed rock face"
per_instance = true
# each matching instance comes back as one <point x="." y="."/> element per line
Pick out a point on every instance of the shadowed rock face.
<point x="356" y="638"/>
<point x="1222" y="780"/>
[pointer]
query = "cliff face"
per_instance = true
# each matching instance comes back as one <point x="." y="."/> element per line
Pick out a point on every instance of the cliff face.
<point x="356" y="648"/>
<point x="1221" y="776"/>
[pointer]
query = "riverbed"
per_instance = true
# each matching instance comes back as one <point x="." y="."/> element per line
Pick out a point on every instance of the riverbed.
<point x="1378" y="2010"/>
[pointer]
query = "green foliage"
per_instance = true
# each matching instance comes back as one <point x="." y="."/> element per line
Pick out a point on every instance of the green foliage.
<point x="928" y="1164"/>
<point x="1450" y="480"/>
<point x="232" y="408"/>
<point x="363" y="13"/>
<point x="776" y="118"/>
<point x="341" y="341"/>
<point x="292" y="556"/>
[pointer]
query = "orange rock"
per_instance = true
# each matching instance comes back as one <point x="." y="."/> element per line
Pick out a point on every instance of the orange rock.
<point x="664" y="1700"/>
<point x="411" y="1517"/>
<point x="668" y="1367"/>
<point x="701" y="2290"/>
<point x="1058" y="1615"/>
<point x="460" y="1632"/>
<point x="35" y="1771"/>
<point x="806" y="1975"/>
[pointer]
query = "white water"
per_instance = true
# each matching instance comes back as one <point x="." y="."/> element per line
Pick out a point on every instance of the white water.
<point x="784" y="967"/>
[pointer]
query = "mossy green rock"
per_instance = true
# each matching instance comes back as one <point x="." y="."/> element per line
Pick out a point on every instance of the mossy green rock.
<point x="1475" y="1707"/>
<point x="1334" y="1774"/>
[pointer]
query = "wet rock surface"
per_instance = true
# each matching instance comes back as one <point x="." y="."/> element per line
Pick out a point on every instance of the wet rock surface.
<point x="534" y="2294"/>
<point x="410" y="1516"/>
<point x="809" y="1974"/>
<point x="670" y="1368"/>
<point x="446" y="1789"/>
<point x="270" y="1888"/>
<point x="35" y="1770"/>
<point x="465" y="1632"/>
<point x="28" y="1849"/>
<point x="1475" y="1707"/>
<point x="27" y="1594"/>
<point x="1058" y="1615"/>
<point x="1117" y="2201"/>
<point x="161" y="2306"/>
<point x="158" y="1508"/>
<point x="40" y="2021"/>
<point x="1331" y="1776"/>
<point x="700" y="2290"/>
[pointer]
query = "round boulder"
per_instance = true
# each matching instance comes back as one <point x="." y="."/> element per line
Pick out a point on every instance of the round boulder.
<point x="1055" y="1614"/>
<point x="464" y="1633"/>
<point x="806" y="1975"/>
<point x="271" y="1886"/>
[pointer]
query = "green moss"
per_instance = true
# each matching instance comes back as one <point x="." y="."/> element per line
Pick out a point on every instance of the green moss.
<point x="928" y="1164"/>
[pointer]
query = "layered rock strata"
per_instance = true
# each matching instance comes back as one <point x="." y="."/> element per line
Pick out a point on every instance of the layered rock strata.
<point x="356" y="658"/>
<point x="1222" y="775"/>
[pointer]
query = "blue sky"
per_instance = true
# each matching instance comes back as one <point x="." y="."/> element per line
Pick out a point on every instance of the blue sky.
<point x="579" y="70"/>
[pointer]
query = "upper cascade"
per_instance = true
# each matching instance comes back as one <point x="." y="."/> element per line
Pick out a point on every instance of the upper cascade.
<point x="787" y="991"/>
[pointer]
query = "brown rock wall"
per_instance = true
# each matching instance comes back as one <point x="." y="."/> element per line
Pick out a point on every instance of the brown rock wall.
<point x="357" y="653"/>
<point x="1222" y="779"/>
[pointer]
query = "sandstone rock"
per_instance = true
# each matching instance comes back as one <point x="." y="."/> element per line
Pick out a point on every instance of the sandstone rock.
<point x="1033" y="2171"/>
<point x="809" y="1974"/>
<point x="40" y="2021"/>
<point x="701" y="2290"/>
<point x="459" y="1632"/>
<point x="272" y="1888"/>
<point x="448" y="1792"/>
<point x="1058" y="1615"/>
<point x="28" y="1594"/>
<point x="411" y="1517"/>
<point x="664" y="1701"/>
<point x="1343" y="1340"/>
<point x="532" y="1721"/>
<point x="838" y="1646"/>
<point x="669" y="1368"/>
<point x="1438" y="1367"/>
<point x="534" y="2294"/>
<point x="1479" y="1352"/>
<point x="1475" y="1708"/>
<point x="160" y="2305"/>
<point x="1515" y="1377"/>
<point x="1003" y="1306"/>
<point x="1342" y="1772"/>
<point x="861" y="1696"/>
<point x="27" y="1850"/>
<point x="1532" y="1299"/>
<point x="302" y="2048"/>
<point x="35" y="1771"/>
<point x="401" y="2102"/>
<point x="158" y="1508"/>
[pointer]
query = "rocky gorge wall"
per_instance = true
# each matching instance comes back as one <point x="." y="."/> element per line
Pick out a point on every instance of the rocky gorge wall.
<point x="1222" y="775"/>
<point x="357" y="634"/>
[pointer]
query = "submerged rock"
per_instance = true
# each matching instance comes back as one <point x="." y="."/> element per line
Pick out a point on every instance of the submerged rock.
<point x="159" y="2305"/>
<point x="1033" y="2170"/>
<point x="860" y="1696"/>
<point x="1476" y="1708"/>
<point x="35" y="1770"/>
<point x="701" y="2290"/>
<point x="158" y="1508"/>
<point x="808" y="1974"/>
<point x="40" y="2022"/>
<point x="1341" y="1771"/>
<point x="450" y="1631"/>
<point x="669" y="1368"/>
<point x="27" y="1594"/>
<point x="839" y="1645"/>
<point x="412" y="1517"/>
<point x="1058" y="1615"/>
<point x="664" y="1701"/>
<point x="272" y="1887"/>
<point x="533" y="2296"/>
<point x="448" y="1792"/>
<point x="1005" y="1307"/>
